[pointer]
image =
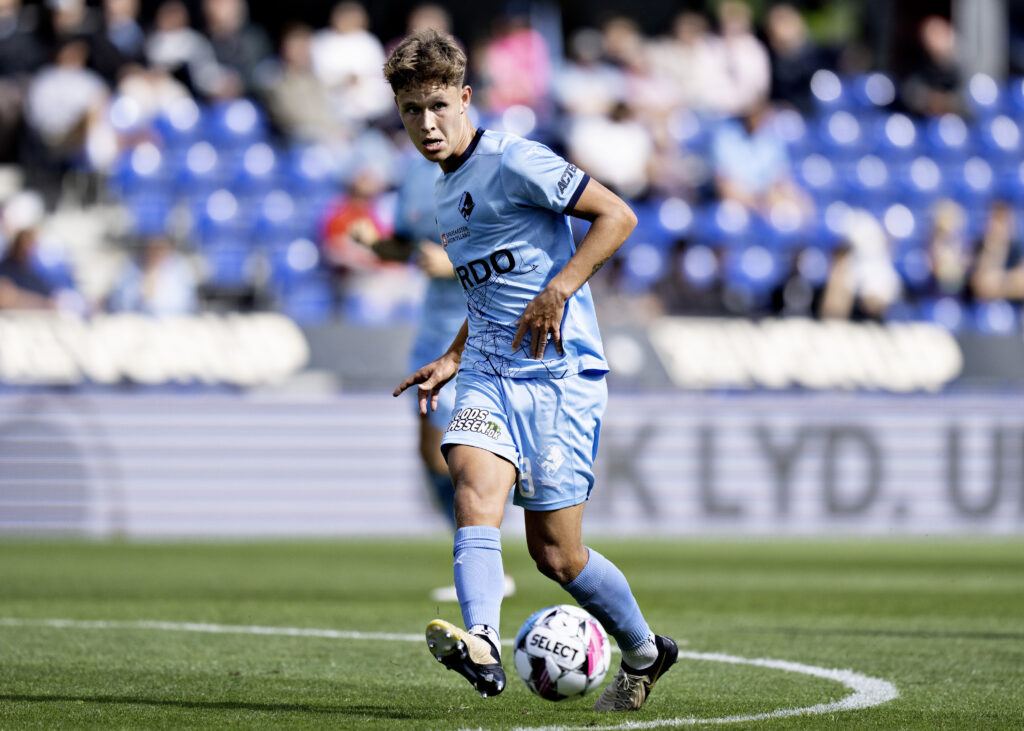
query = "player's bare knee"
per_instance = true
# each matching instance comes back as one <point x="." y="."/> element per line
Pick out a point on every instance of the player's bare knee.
<point x="555" y="563"/>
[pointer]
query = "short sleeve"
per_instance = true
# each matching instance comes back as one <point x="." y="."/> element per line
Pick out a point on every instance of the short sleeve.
<point x="533" y="175"/>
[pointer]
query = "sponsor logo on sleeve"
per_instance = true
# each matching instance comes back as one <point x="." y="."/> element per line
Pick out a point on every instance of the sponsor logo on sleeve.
<point x="567" y="175"/>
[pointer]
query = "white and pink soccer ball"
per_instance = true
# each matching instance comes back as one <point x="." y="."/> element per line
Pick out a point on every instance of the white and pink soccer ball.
<point x="562" y="652"/>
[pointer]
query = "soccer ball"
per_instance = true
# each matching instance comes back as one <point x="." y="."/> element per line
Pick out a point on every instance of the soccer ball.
<point x="562" y="652"/>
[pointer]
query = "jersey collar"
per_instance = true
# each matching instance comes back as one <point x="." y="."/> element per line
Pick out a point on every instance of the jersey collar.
<point x="457" y="163"/>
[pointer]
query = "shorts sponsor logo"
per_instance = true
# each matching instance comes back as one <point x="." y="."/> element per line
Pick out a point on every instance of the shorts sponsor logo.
<point x="475" y="420"/>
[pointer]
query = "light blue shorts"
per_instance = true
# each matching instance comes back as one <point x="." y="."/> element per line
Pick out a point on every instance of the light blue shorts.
<point x="547" y="427"/>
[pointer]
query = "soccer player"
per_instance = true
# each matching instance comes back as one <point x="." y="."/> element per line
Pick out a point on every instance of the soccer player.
<point x="530" y="390"/>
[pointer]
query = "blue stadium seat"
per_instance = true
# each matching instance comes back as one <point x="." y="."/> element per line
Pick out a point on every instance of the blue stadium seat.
<point x="948" y="138"/>
<point x="829" y="92"/>
<point x="292" y="261"/>
<point x="996" y="318"/>
<point x="896" y="137"/>
<point x="1014" y="95"/>
<point x="816" y="174"/>
<point x="841" y="134"/>
<point x="311" y="173"/>
<point x="280" y="217"/>
<point x="813" y="264"/>
<point x="202" y="169"/>
<point x="675" y="217"/>
<point x="228" y="264"/>
<point x="181" y="125"/>
<point x="219" y="217"/>
<point x="946" y="312"/>
<point x="911" y="261"/>
<point x="903" y="225"/>
<point x="1000" y="138"/>
<point x="754" y="270"/>
<point x="143" y="168"/>
<point x="699" y="266"/>
<point x="1010" y="182"/>
<point x="235" y="124"/>
<point x="867" y="181"/>
<point x="974" y="182"/>
<point x="149" y="213"/>
<point x="920" y="182"/>
<point x="309" y="301"/>
<point x="984" y="96"/>
<point x="644" y="264"/>
<point x="257" y="170"/>
<point x="872" y="91"/>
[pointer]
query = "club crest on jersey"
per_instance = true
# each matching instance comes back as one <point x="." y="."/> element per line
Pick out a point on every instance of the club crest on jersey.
<point x="466" y="205"/>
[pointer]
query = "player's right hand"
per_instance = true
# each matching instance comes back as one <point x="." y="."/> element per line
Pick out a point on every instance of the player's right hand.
<point x="430" y="379"/>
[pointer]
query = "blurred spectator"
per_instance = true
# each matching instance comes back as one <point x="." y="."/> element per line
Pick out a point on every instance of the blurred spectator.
<point x="616" y="149"/>
<point x="516" y="66"/>
<point x="238" y="45"/>
<point x="685" y="56"/>
<point x="650" y="94"/>
<point x="739" y="70"/>
<point x="160" y="282"/>
<point x="750" y="163"/>
<point x="353" y="217"/>
<point x="998" y="272"/>
<point x="185" y="53"/>
<point x="949" y="251"/>
<point x="932" y="88"/>
<point x="348" y="58"/>
<point x="585" y="84"/>
<point x="298" y="101"/>
<point x="72" y="20"/>
<point x="426" y="15"/>
<point x="862" y="282"/>
<point x="794" y="57"/>
<point x="21" y="54"/>
<point x="22" y="286"/>
<point x="120" y="42"/>
<point x="65" y="104"/>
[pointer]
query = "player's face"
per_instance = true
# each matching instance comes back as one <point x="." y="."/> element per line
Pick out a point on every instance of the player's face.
<point x="436" y="120"/>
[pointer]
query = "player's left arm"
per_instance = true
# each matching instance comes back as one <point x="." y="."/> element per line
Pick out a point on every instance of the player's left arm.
<point x="611" y="222"/>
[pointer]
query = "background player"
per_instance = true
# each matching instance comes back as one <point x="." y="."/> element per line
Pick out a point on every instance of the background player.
<point x="531" y="389"/>
<point x="442" y="314"/>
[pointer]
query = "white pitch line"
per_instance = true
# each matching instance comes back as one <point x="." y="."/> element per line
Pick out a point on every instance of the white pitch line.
<point x="220" y="629"/>
<point x="867" y="691"/>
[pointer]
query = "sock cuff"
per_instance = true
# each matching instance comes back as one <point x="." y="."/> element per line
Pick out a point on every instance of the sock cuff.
<point x="477" y="536"/>
<point x="590" y="578"/>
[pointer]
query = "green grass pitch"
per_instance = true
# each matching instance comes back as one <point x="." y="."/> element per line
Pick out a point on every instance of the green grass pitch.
<point x="941" y="620"/>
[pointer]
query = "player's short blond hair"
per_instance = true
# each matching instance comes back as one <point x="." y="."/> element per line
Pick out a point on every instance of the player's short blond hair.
<point x="426" y="57"/>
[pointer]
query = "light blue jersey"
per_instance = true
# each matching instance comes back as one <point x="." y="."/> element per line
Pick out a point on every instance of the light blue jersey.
<point x="502" y="220"/>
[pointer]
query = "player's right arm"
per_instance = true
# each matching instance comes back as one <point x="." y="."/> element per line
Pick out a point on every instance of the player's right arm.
<point x="432" y="377"/>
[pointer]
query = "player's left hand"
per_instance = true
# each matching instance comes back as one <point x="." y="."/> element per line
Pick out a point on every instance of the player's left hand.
<point x="542" y="318"/>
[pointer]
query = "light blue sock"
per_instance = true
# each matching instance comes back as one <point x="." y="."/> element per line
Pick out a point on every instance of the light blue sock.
<point x="479" y="575"/>
<point x="603" y="591"/>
